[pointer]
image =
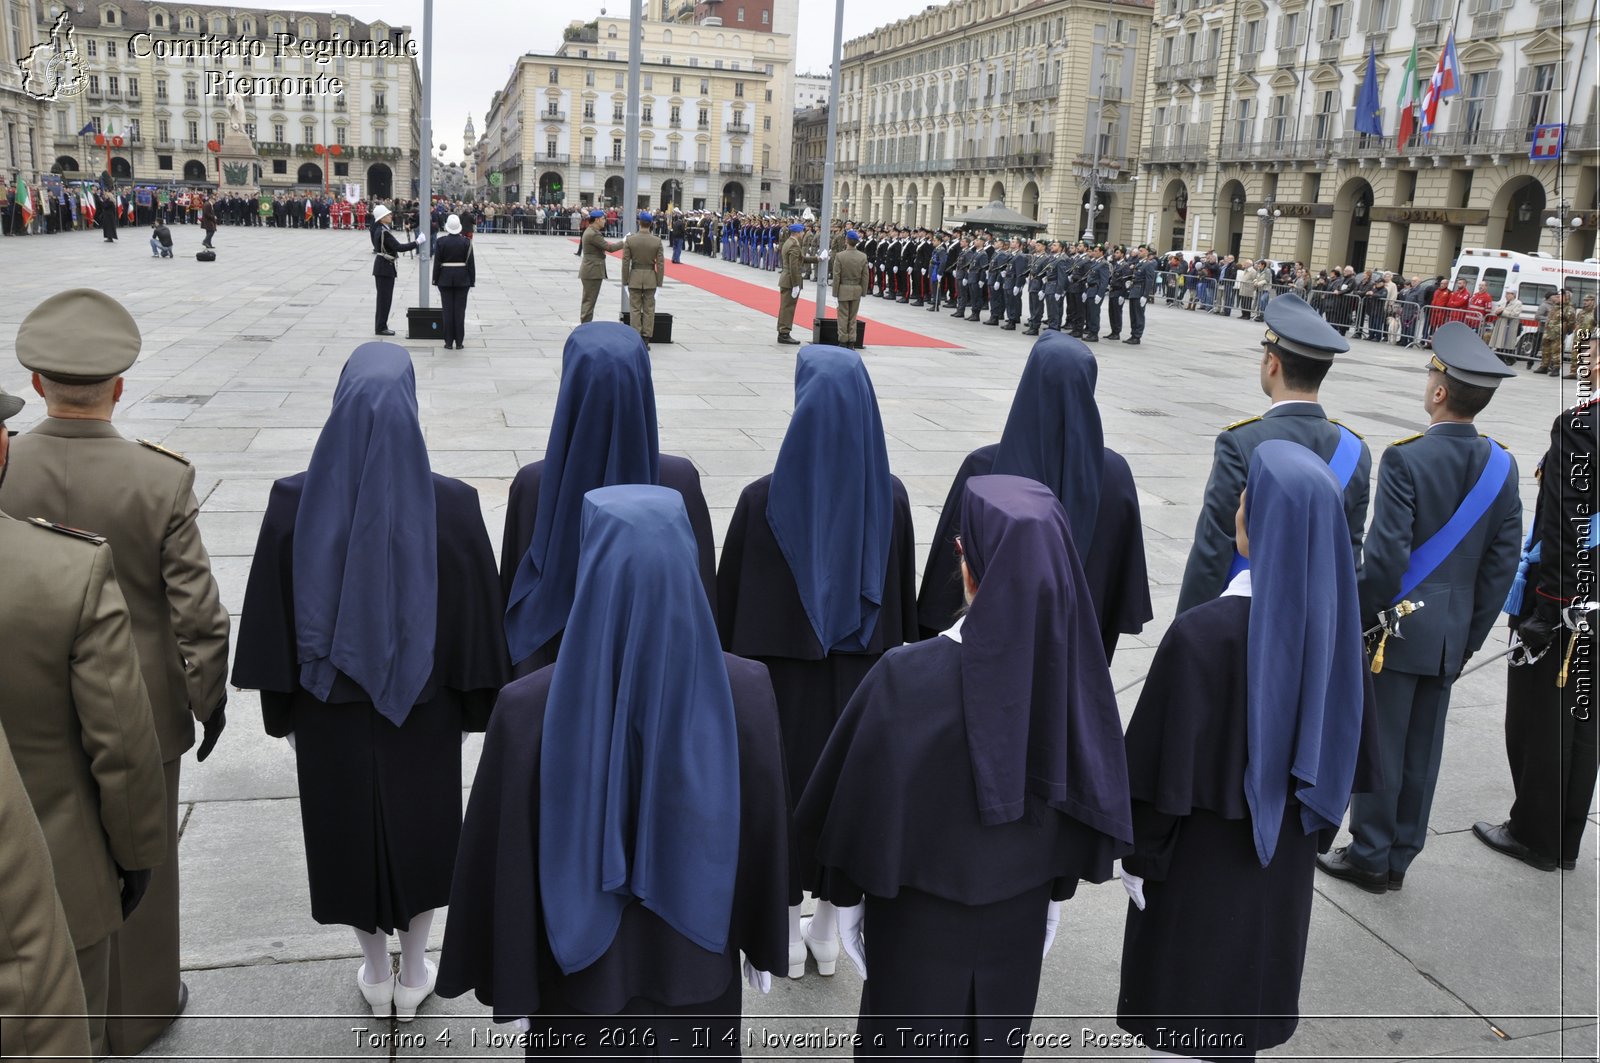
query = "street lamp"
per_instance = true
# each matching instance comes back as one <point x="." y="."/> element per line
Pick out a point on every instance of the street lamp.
<point x="1268" y="212"/>
<point x="1092" y="210"/>
<point x="1563" y="223"/>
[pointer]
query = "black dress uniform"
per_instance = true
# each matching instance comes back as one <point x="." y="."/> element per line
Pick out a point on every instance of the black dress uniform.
<point x="1445" y="530"/>
<point x="1298" y="329"/>
<point x="454" y="274"/>
<point x="1551" y="740"/>
<point x="385" y="249"/>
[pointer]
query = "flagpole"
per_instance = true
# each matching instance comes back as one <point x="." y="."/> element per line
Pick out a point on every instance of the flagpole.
<point x="825" y="219"/>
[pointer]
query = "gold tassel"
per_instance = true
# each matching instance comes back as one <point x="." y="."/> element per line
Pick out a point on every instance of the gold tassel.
<point x="1377" y="658"/>
<point x="1566" y="662"/>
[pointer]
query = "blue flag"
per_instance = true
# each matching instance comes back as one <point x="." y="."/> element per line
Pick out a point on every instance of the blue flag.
<point x="1369" y="112"/>
<point x="88" y="127"/>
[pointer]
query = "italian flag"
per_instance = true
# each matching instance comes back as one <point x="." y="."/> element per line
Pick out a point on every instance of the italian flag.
<point x="86" y="205"/>
<point x="1407" y="101"/>
<point x="24" y="200"/>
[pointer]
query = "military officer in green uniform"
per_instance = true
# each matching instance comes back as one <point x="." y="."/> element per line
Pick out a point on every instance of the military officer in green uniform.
<point x="1553" y="335"/>
<point x="849" y="283"/>
<point x="74" y="468"/>
<point x="1297" y="351"/>
<point x="77" y="719"/>
<point x="791" y="278"/>
<point x="592" y="267"/>
<point x="1446" y="531"/>
<point x="643" y="268"/>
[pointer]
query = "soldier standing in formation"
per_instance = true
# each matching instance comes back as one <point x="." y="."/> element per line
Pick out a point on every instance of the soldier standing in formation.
<point x="454" y="274"/>
<point x="592" y="269"/>
<point x="643" y="268"/>
<point x="1038" y="263"/>
<point x="1140" y="292"/>
<point x="1454" y="547"/>
<point x="75" y="468"/>
<point x="77" y="718"/>
<point x="1117" y="294"/>
<point x="790" y="281"/>
<point x="1096" y="284"/>
<point x="849" y="282"/>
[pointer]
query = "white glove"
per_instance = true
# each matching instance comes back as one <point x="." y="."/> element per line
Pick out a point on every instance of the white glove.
<point x="1133" y="885"/>
<point x="290" y="739"/>
<point x="1097" y="300"/>
<point x="795" y="291"/>
<point x="1052" y="920"/>
<point x="850" y="936"/>
<point x="1142" y="300"/>
<point x="1016" y="291"/>
<point x="760" y="981"/>
<point x="822" y="256"/>
<point x="924" y="273"/>
<point x="996" y="285"/>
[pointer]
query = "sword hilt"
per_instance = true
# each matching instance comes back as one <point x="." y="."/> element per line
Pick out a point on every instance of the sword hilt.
<point x="1566" y="661"/>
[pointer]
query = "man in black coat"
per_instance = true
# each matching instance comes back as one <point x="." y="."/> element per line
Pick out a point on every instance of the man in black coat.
<point x="385" y="249"/>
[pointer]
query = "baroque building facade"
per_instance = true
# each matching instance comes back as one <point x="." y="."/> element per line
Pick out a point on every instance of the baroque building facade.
<point x="1252" y="149"/>
<point x="166" y="109"/>
<point x="1036" y="104"/>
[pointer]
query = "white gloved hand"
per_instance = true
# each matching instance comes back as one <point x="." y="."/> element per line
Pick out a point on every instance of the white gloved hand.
<point x="851" y="939"/>
<point x="996" y="285"/>
<point x="1133" y="885"/>
<point x="924" y="273"/>
<point x="760" y="981"/>
<point x="1142" y="300"/>
<point x="1052" y="920"/>
<point x="1016" y="291"/>
<point x="1097" y="300"/>
<point x="290" y="739"/>
<point x="795" y="291"/>
<point x="822" y="256"/>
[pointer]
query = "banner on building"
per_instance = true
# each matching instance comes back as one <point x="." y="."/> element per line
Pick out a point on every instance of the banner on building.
<point x="352" y="192"/>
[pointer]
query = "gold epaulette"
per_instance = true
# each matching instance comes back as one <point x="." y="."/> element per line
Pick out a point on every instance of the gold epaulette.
<point x="1407" y="439"/>
<point x="76" y="533"/>
<point x="1239" y="424"/>
<point x="159" y="449"/>
<point x="1347" y="428"/>
<point x="1497" y="443"/>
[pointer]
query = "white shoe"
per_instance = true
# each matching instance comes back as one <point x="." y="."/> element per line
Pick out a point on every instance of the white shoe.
<point x="407" y="998"/>
<point x="380" y="995"/>
<point x="797" y="959"/>
<point x="826" y="953"/>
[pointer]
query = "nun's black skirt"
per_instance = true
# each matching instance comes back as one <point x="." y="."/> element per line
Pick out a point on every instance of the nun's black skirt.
<point x="380" y="806"/>
<point x="948" y="980"/>
<point x="643" y="1030"/>
<point x="811" y="697"/>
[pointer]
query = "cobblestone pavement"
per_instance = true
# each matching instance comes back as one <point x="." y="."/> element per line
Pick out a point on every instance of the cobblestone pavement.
<point x="1479" y="956"/>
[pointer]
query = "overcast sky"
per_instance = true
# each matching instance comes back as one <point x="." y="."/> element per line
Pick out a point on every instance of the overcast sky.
<point x="478" y="40"/>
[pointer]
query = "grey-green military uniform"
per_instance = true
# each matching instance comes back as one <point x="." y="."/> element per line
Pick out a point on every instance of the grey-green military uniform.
<point x="791" y="279"/>
<point x="850" y="283"/>
<point x="1552" y="338"/>
<point x="643" y="267"/>
<point x="83" y="473"/>
<point x="75" y="711"/>
<point x="592" y="267"/>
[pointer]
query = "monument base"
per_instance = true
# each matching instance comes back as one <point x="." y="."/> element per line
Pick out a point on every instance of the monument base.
<point x="240" y="168"/>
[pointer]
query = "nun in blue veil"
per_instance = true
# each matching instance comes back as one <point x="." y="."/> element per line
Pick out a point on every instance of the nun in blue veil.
<point x="1053" y="435"/>
<point x="627" y="835"/>
<point x="371" y="627"/>
<point x="817" y="579"/>
<point x="603" y="432"/>
<point x="1250" y="735"/>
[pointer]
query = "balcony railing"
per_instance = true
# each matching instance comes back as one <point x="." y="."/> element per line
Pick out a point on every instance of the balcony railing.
<point x="743" y="168"/>
<point x="702" y="167"/>
<point x="552" y="116"/>
<point x="191" y="145"/>
<point x="1038" y="92"/>
<point x="675" y="165"/>
<point x="1289" y="58"/>
<point x="377" y="108"/>
<point x="738" y="127"/>
<point x="1203" y="68"/>
<point x="166" y="143"/>
<point x="1177" y="153"/>
<point x="1477" y="142"/>
<point x="552" y="157"/>
<point x="590" y="160"/>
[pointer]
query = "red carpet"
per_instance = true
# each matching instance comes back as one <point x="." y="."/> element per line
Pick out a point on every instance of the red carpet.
<point x="764" y="298"/>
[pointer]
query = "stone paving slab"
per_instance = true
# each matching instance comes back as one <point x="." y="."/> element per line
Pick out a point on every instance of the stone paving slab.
<point x="237" y="371"/>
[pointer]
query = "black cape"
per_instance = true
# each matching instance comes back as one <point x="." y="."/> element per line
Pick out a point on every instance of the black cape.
<point x="760" y="616"/>
<point x="380" y="805"/>
<point x="1218" y="952"/>
<point x="1113" y="566"/>
<point x="522" y="513"/>
<point x="495" y="942"/>
<point x="955" y="910"/>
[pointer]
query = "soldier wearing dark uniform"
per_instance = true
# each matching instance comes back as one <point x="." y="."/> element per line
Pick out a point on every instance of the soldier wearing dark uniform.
<point x="1446" y="526"/>
<point x="1037" y="263"/>
<point x="1121" y="279"/>
<point x="1077" y="278"/>
<point x="1298" y="349"/>
<point x="999" y="269"/>
<point x="1551" y="740"/>
<point x="75" y="468"/>
<point x="1096" y="284"/>
<point x="922" y="277"/>
<point x="385" y="249"/>
<point x="1140" y="292"/>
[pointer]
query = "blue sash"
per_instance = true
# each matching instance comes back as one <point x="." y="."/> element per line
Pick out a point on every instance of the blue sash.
<point x="1593" y="542"/>
<point x="1519" y="584"/>
<point x="1431" y="554"/>
<point x="1343" y="466"/>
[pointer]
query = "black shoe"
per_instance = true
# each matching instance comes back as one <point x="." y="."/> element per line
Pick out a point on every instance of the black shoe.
<point x="789" y="340"/>
<point x="1030" y="331"/>
<point x="1337" y="864"/>
<point x="1091" y="339"/>
<point x="918" y="302"/>
<point x="1009" y="326"/>
<point x="1397" y="881"/>
<point x="959" y="313"/>
<point x="1569" y="865"/>
<point x="384" y="332"/>
<point x="1113" y="335"/>
<point x="1132" y="341"/>
<point x="1498" y="837"/>
<point x="183" y="998"/>
<point x="972" y="316"/>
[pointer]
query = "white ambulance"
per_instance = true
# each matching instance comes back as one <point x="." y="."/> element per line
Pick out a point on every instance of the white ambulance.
<point x="1533" y="277"/>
